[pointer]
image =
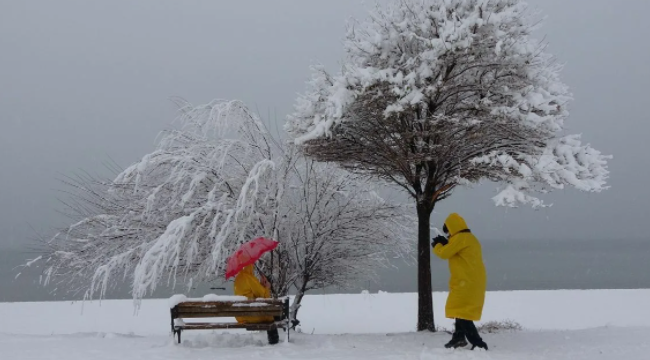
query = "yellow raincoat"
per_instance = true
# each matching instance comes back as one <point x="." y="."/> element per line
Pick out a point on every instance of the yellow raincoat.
<point x="246" y="284"/>
<point x="468" y="278"/>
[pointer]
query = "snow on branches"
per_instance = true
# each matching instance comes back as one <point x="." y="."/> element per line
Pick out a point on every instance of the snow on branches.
<point x="217" y="180"/>
<point x="436" y="94"/>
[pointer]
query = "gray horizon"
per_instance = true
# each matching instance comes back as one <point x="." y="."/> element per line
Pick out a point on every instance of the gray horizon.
<point x="85" y="83"/>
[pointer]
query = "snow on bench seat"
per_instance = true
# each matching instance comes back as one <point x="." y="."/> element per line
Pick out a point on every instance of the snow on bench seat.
<point x="180" y="298"/>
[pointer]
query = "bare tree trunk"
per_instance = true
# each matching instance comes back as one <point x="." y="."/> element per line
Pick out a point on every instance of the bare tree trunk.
<point x="301" y="293"/>
<point x="425" y="297"/>
<point x="296" y="303"/>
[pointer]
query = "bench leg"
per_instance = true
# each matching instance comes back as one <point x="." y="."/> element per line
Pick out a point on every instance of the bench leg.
<point x="287" y="311"/>
<point x="179" y="335"/>
<point x="288" y="326"/>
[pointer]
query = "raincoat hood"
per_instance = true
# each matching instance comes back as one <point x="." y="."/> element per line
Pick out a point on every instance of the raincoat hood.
<point x="455" y="223"/>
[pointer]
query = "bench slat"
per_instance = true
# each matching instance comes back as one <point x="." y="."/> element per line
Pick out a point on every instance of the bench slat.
<point x="218" y="326"/>
<point x="230" y="307"/>
<point x="200" y="303"/>
<point x="208" y="314"/>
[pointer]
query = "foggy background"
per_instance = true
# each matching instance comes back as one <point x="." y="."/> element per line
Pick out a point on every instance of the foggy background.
<point x="83" y="82"/>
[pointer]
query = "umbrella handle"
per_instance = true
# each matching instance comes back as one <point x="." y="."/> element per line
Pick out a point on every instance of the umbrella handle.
<point x="270" y="282"/>
<point x="261" y="273"/>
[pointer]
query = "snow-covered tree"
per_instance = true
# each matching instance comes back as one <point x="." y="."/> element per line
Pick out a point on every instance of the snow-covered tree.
<point x="335" y="229"/>
<point x="217" y="180"/>
<point x="434" y="95"/>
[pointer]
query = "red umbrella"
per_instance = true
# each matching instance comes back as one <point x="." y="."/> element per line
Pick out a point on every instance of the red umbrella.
<point x="248" y="254"/>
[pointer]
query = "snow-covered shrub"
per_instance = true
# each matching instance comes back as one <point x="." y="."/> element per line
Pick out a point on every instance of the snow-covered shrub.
<point x="492" y="327"/>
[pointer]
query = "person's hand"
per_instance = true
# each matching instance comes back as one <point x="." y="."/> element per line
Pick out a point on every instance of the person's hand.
<point x="265" y="282"/>
<point x="439" y="240"/>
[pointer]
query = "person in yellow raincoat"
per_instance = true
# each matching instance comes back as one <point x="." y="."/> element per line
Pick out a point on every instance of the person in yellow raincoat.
<point x="247" y="284"/>
<point x="467" y="282"/>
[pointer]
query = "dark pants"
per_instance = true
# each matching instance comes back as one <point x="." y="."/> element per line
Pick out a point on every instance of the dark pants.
<point x="467" y="329"/>
<point x="273" y="335"/>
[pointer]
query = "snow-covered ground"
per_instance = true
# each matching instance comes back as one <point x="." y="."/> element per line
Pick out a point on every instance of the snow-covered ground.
<point x="602" y="324"/>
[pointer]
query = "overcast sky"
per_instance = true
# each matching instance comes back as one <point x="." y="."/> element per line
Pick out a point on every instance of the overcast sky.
<point x="82" y="81"/>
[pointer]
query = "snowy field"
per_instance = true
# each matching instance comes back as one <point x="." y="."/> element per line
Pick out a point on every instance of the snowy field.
<point x="571" y="324"/>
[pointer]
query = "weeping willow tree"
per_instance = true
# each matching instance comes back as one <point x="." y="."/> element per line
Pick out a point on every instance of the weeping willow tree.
<point x="220" y="179"/>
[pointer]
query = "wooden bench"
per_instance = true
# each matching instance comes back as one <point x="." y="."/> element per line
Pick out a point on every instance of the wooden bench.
<point x="196" y="309"/>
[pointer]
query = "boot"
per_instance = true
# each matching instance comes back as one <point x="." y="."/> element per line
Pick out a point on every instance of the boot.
<point x="481" y="345"/>
<point x="472" y="334"/>
<point x="457" y="340"/>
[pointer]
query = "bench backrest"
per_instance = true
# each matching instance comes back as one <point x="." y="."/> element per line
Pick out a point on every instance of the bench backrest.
<point x="266" y="307"/>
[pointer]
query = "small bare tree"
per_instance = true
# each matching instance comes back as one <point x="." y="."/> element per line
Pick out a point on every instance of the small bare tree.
<point x="335" y="229"/>
<point x="434" y="95"/>
<point x="217" y="181"/>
